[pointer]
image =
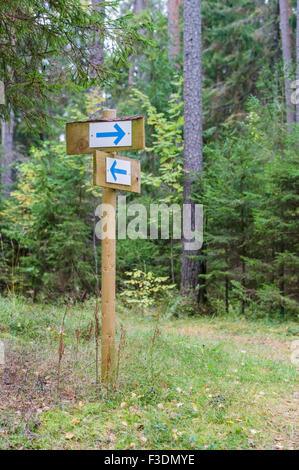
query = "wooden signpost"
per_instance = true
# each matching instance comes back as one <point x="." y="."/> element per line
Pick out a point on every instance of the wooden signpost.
<point x="103" y="137"/>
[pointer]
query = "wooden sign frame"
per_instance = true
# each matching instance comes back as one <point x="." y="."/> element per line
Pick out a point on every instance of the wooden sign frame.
<point x="99" y="172"/>
<point x="77" y="136"/>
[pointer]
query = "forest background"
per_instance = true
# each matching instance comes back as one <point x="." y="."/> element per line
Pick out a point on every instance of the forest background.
<point x="66" y="61"/>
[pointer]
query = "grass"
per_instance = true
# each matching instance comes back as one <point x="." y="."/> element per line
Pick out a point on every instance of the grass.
<point x="188" y="383"/>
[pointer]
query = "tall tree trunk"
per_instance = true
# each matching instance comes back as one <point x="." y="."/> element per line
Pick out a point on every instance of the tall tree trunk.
<point x="287" y="59"/>
<point x="97" y="49"/>
<point x="174" y="30"/>
<point x="95" y="111"/>
<point x="96" y="60"/>
<point x="297" y="62"/>
<point x="192" y="130"/>
<point x="7" y="129"/>
<point x="139" y="5"/>
<point x="7" y="141"/>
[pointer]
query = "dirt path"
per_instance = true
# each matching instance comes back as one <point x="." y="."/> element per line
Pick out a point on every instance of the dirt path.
<point x="267" y="345"/>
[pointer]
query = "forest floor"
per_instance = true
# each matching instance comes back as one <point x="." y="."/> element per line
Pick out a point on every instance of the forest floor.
<point x="186" y="383"/>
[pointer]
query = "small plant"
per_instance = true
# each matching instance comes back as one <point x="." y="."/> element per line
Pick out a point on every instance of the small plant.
<point x="144" y="288"/>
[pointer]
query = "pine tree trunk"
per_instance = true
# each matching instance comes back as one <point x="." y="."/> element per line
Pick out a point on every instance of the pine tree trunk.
<point x="139" y="5"/>
<point x="7" y="129"/>
<point x="192" y="130"/>
<point x="174" y="30"/>
<point x="95" y="93"/>
<point x="96" y="61"/>
<point x="97" y="49"/>
<point x="297" y="61"/>
<point x="287" y="59"/>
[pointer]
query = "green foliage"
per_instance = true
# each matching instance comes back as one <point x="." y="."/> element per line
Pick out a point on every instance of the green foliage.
<point x="251" y="200"/>
<point x="144" y="289"/>
<point x="44" y="48"/>
<point x="167" y="144"/>
<point x="49" y="218"/>
<point x="240" y="37"/>
<point x="149" y="69"/>
<point x="249" y="186"/>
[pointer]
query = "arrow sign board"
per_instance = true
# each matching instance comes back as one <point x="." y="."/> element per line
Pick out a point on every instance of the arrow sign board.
<point x="110" y="134"/>
<point x="118" y="171"/>
<point x="125" y="133"/>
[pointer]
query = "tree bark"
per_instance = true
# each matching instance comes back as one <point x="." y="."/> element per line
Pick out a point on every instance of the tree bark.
<point x="139" y="5"/>
<point x="7" y="141"/>
<point x="97" y="49"/>
<point x="192" y="131"/>
<point x="174" y="47"/>
<point x="96" y="61"/>
<point x="287" y="59"/>
<point x="95" y="93"/>
<point x="297" y="62"/>
<point x="7" y="129"/>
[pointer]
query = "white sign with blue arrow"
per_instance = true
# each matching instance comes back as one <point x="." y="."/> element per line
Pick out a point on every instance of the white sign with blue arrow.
<point x="118" y="171"/>
<point x="110" y="134"/>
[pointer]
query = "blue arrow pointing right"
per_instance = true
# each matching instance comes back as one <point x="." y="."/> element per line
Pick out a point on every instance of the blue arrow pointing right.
<point x="119" y="134"/>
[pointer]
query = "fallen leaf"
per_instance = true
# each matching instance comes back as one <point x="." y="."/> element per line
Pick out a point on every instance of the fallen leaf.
<point x="69" y="435"/>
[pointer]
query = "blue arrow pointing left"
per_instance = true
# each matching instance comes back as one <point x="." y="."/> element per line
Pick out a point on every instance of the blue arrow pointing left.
<point x="119" y="134"/>
<point x="116" y="170"/>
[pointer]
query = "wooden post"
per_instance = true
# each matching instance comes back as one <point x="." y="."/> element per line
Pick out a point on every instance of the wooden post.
<point x="108" y="279"/>
<point x="86" y="137"/>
